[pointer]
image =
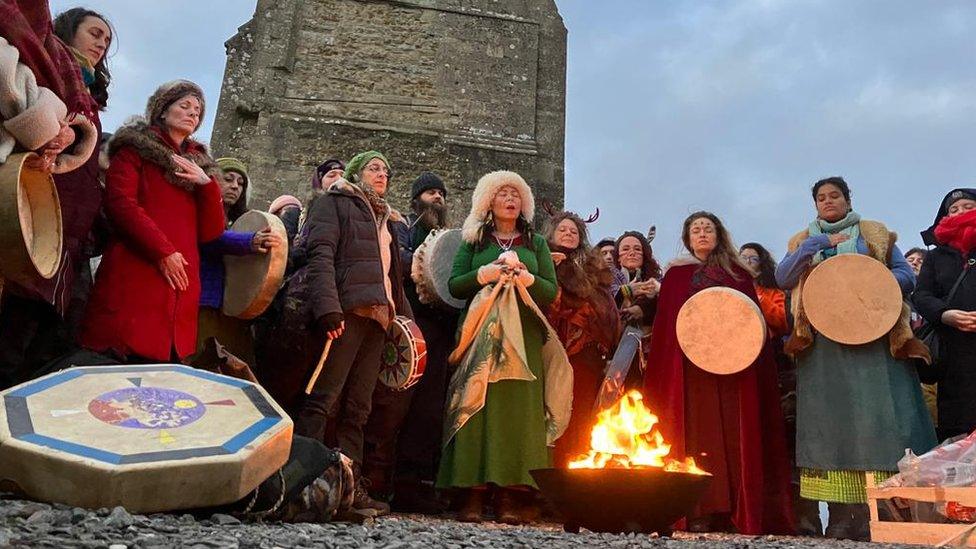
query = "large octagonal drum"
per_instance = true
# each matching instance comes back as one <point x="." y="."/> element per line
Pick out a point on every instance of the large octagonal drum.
<point x="721" y="330"/>
<point x="852" y="299"/>
<point x="150" y="438"/>
<point x="253" y="280"/>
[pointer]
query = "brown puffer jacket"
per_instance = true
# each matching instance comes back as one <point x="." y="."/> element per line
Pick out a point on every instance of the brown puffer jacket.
<point x="344" y="265"/>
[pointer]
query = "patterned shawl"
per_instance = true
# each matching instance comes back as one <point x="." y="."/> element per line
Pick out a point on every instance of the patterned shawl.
<point x="491" y="348"/>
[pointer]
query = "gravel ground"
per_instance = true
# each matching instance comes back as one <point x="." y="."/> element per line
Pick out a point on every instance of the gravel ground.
<point x="29" y="524"/>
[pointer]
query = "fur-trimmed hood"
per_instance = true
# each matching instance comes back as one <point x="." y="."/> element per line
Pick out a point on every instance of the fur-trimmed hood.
<point x="488" y="186"/>
<point x="151" y="145"/>
<point x="682" y="260"/>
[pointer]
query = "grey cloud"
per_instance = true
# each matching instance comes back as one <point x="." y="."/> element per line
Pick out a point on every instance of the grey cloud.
<point x="734" y="106"/>
<point x="739" y="106"/>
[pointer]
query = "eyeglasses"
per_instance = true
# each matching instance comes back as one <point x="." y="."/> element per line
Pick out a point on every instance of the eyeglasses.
<point x="375" y="168"/>
<point x="749" y="259"/>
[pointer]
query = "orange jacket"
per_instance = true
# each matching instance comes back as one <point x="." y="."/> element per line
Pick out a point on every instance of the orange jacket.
<point x="772" y="301"/>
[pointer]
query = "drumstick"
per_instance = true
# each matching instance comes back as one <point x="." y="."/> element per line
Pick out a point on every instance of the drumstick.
<point x="318" y="367"/>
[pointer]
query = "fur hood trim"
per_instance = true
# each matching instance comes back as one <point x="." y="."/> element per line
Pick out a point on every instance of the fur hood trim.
<point x="488" y="186"/>
<point x="682" y="260"/>
<point x="151" y="147"/>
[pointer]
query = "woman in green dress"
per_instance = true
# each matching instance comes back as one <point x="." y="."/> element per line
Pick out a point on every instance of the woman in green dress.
<point x="510" y="396"/>
<point x="858" y="406"/>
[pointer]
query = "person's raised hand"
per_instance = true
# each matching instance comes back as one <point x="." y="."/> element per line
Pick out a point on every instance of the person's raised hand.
<point x="633" y="312"/>
<point x="837" y="238"/>
<point x="188" y="170"/>
<point x="490" y="273"/>
<point x="264" y="240"/>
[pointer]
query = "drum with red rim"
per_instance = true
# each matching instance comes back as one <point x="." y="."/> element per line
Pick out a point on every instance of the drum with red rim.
<point x="404" y="355"/>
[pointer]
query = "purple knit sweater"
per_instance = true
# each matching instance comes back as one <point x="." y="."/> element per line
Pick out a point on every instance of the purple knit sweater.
<point x="212" y="265"/>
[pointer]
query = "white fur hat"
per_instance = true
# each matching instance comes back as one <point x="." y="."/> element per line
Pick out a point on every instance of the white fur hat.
<point x="488" y="186"/>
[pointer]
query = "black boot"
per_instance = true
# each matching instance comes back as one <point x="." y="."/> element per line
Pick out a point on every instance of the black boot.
<point x="848" y="521"/>
<point x="808" y="521"/>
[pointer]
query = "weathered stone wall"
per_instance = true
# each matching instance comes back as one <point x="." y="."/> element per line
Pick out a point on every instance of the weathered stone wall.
<point x="458" y="87"/>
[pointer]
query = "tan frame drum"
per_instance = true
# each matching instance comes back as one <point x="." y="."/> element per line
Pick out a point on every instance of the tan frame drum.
<point x="721" y="330"/>
<point x="251" y="281"/>
<point x="852" y="299"/>
<point x="31" y="231"/>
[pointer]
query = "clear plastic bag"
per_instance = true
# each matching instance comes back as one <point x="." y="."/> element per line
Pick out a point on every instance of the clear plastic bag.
<point x="952" y="463"/>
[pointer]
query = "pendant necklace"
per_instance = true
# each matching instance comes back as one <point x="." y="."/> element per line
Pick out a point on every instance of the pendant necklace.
<point x="503" y="245"/>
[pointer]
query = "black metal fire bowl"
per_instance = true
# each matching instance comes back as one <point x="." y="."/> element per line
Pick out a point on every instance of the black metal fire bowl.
<point x="642" y="500"/>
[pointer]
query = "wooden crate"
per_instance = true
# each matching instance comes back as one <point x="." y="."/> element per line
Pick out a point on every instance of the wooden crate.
<point x="921" y="533"/>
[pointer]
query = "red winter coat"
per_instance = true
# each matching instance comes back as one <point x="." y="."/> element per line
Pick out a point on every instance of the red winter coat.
<point x="133" y="310"/>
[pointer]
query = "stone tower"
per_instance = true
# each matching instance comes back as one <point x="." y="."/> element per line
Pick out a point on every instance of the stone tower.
<point x="457" y="87"/>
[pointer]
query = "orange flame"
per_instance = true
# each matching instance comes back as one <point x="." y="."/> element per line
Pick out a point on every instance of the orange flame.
<point x="624" y="437"/>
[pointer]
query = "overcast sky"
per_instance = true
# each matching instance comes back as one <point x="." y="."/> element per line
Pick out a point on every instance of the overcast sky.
<point x="673" y="106"/>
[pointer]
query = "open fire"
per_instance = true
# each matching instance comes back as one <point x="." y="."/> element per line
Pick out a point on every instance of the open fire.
<point x="625" y="438"/>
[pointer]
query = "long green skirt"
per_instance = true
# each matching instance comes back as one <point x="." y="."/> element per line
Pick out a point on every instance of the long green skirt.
<point x="507" y="438"/>
<point x="858" y="410"/>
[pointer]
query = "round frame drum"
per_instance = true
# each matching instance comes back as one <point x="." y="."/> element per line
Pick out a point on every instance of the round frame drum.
<point x="721" y="330"/>
<point x="31" y="232"/>
<point x="431" y="270"/>
<point x="251" y="281"/>
<point x="404" y="355"/>
<point x="852" y="299"/>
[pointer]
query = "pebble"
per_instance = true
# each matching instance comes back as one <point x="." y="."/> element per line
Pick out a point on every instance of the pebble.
<point x="119" y="518"/>
<point x="224" y="520"/>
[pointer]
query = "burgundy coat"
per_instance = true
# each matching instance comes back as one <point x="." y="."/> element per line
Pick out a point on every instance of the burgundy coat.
<point x="133" y="310"/>
<point x="736" y="418"/>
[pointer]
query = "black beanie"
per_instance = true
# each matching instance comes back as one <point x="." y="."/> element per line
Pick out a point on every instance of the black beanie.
<point x="425" y="182"/>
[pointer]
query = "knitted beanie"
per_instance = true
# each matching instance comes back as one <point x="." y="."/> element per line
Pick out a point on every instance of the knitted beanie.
<point x="957" y="195"/>
<point x="228" y="164"/>
<point x="282" y="202"/>
<point x="425" y="182"/>
<point x="328" y="166"/>
<point x="358" y="162"/>
<point x="170" y="93"/>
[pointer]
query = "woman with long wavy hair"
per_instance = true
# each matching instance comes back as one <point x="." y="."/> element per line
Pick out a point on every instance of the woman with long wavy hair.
<point x="39" y="321"/>
<point x="585" y="317"/>
<point x="732" y="424"/>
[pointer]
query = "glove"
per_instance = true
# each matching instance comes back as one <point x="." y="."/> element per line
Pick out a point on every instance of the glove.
<point x="330" y="321"/>
<point x="488" y="274"/>
<point x="525" y="277"/>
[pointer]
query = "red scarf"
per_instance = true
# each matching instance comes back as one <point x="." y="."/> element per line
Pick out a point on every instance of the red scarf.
<point x="26" y="24"/>
<point x="958" y="231"/>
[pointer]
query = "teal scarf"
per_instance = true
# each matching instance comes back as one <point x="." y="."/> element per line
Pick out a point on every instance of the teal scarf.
<point x="850" y="226"/>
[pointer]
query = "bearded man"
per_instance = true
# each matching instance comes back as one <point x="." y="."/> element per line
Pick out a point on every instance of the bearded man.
<point x="403" y="436"/>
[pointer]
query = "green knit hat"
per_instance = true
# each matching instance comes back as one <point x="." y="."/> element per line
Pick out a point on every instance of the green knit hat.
<point x="358" y="162"/>
<point x="233" y="165"/>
